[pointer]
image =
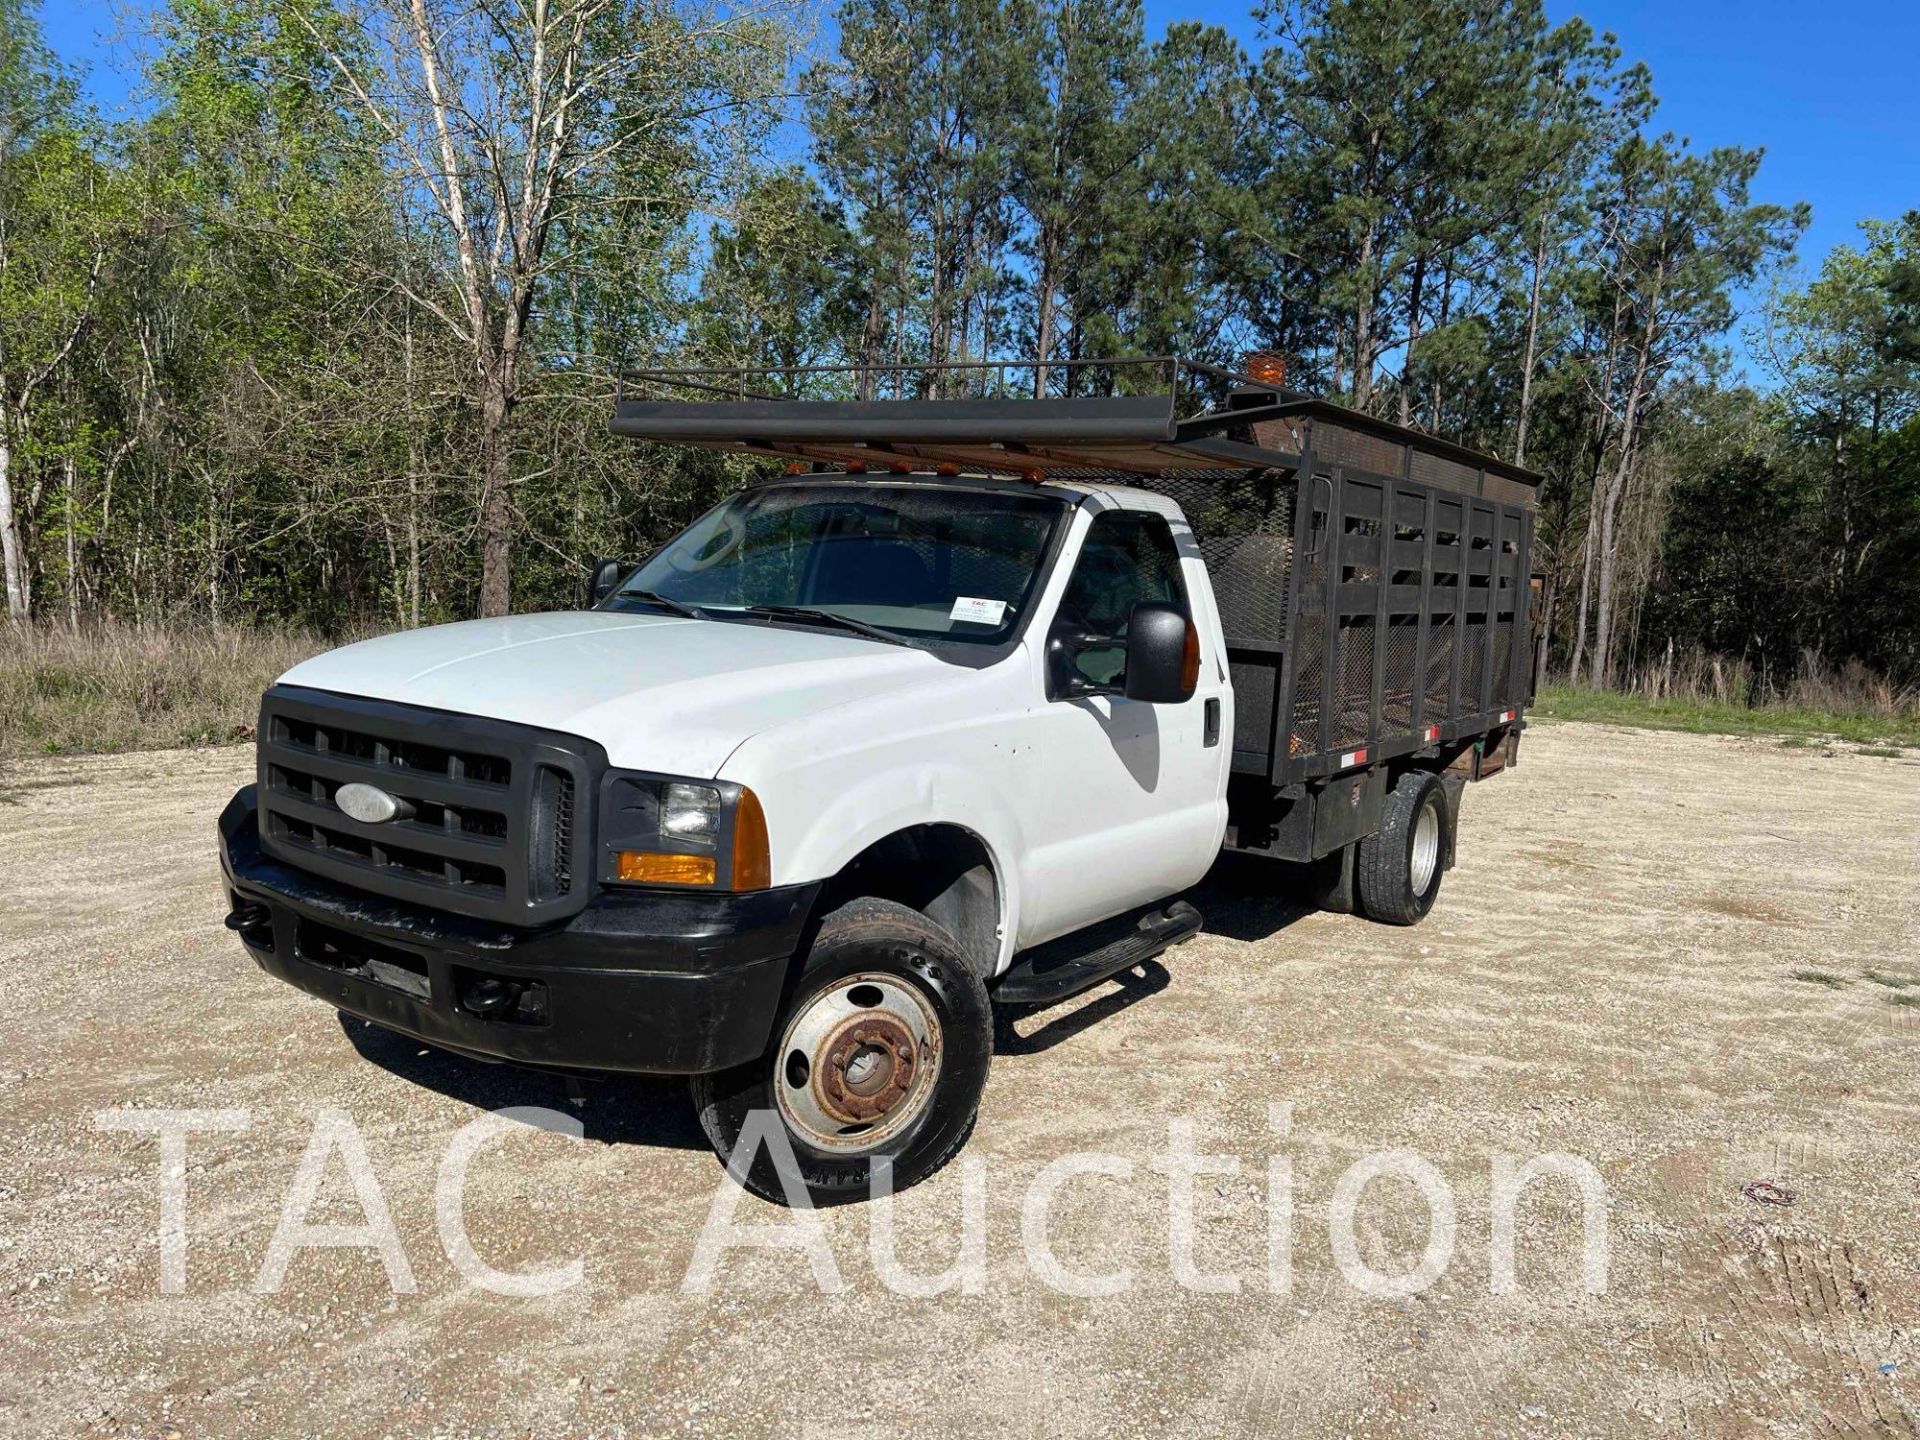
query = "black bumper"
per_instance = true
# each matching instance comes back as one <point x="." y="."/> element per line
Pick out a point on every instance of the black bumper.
<point x="657" y="982"/>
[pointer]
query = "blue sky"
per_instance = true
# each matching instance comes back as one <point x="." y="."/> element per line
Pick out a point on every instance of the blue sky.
<point x="1829" y="90"/>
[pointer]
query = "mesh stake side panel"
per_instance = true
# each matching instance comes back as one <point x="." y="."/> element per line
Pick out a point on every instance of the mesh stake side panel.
<point x="1440" y="641"/>
<point x="1354" y="696"/>
<point x="1243" y="525"/>
<point x="1396" y="705"/>
<point x="1244" y="528"/>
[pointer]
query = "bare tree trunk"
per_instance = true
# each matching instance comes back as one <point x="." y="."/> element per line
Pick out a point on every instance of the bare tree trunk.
<point x="1446" y="312"/>
<point x="1546" y="628"/>
<point x="1044" y="336"/>
<point x="73" y="552"/>
<point x="1603" y="619"/>
<point x="1413" y="338"/>
<point x="1363" y="329"/>
<point x="10" y="552"/>
<point x="213" y="550"/>
<point x="496" y="506"/>
<point x="1533" y="342"/>
<point x="413" y="485"/>
<point x="393" y="568"/>
<point x="1580" y="610"/>
<point x="1606" y="556"/>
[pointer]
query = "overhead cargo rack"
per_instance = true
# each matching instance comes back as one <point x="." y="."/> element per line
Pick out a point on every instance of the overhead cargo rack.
<point x="1148" y="416"/>
<point x="1402" y="627"/>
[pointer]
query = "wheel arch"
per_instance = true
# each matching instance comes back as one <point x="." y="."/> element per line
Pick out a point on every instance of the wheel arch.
<point x="946" y="871"/>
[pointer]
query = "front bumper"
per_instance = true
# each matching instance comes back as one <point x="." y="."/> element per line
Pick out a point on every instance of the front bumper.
<point x="652" y="982"/>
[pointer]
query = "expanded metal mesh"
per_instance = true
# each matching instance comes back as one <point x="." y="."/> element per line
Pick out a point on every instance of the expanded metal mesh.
<point x="1353" y="699"/>
<point x="1310" y="675"/>
<point x="1509" y="492"/>
<point x="1440" y="638"/>
<point x="1244" y="527"/>
<point x="1473" y="668"/>
<point x="1503" y="661"/>
<point x="1403" y="644"/>
<point x="1253" y="693"/>
<point x="1444" y="474"/>
<point x="1336" y="445"/>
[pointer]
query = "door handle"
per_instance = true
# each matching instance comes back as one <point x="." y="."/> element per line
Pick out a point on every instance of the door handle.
<point x="1211" y="725"/>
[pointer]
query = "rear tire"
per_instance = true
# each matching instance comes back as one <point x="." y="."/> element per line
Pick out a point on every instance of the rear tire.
<point x="881" y="1053"/>
<point x="1398" y="868"/>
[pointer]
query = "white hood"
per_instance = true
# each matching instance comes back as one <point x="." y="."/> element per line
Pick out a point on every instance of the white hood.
<point x="657" y="691"/>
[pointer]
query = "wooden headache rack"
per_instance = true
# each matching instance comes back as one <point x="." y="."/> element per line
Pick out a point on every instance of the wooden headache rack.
<point x="1372" y="579"/>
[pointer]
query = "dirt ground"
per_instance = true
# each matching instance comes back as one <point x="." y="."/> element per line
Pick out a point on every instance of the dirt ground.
<point x="1654" y="955"/>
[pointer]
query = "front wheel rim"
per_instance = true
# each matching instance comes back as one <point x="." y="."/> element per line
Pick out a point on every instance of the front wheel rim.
<point x="1426" y="848"/>
<point x="857" y="1063"/>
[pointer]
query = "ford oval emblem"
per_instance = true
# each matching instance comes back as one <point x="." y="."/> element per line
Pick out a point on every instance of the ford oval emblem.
<point x="370" y="805"/>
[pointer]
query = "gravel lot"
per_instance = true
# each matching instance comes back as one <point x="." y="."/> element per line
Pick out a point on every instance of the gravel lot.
<point x="1682" y="959"/>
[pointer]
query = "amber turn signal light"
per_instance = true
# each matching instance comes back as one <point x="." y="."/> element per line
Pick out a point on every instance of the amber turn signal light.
<point x="648" y="868"/>
<point x="752" y="860"/>
<point x="1190" y="660"/>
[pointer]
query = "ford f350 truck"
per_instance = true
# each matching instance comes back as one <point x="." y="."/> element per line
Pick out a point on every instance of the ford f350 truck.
<point x="791" y="807"/>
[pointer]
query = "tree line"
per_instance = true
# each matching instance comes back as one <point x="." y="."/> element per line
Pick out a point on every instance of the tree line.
<point x="327" y="332"/>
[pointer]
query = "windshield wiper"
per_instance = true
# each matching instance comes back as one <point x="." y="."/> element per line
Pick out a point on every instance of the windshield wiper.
<point x="665" y="602"/>
<point x="827" y="617"/>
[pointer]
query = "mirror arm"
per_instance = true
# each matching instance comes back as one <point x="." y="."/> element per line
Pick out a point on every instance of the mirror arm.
<point x="1065" y="683"/>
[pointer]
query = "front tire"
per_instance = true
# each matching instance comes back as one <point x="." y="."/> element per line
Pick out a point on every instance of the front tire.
<point x="1398" y="868"/>
<point x="880" y="1054"/>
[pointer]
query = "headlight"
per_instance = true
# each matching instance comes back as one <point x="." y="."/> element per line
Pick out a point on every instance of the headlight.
<point x="691" y="812"/>
<point x="655" y="830"/>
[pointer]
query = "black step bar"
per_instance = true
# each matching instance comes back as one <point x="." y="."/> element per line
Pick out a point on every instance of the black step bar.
<point x="1061" y="979"/>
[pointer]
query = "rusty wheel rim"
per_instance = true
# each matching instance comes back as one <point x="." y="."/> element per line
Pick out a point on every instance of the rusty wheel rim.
<point x="857" y="1063"/>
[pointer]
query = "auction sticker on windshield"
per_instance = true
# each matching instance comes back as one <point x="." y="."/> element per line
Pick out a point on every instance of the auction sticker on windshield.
<point x="979" y="612"/>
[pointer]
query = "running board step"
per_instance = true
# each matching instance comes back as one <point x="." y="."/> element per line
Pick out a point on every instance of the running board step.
<point x="1062" y="979"/>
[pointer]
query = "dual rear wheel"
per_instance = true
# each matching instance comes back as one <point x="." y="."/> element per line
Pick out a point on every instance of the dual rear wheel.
<point x="1397" y="870"/>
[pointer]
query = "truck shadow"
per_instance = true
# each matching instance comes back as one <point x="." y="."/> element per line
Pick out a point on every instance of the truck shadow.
<point x="1242" y="898"/>
<point x="1245" y="897"/>
<point x="613" y="1109"/>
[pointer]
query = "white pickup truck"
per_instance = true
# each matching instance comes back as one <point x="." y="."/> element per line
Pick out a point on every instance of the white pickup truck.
<point x="789" y="808"/>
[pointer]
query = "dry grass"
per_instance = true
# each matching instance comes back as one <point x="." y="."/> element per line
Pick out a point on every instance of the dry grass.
<point x="1815" y="686"/>
<point x="124" y="687"/>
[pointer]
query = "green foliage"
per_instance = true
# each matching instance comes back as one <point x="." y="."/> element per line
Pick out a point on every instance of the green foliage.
<point x="1899" y="725"/>
<point x="249" y="370"/>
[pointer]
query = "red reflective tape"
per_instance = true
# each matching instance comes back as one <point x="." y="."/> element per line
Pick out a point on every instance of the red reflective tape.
<point x="1433" y="732"/>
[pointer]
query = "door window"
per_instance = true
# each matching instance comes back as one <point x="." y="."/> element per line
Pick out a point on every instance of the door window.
<point x="1128" y="557"/>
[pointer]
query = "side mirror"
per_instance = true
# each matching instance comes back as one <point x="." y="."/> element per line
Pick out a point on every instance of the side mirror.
<point x="1163" y="653"/>
<point x="604" y="580"/>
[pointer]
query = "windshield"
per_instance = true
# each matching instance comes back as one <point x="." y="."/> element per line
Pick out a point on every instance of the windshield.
<point x="922" y="562"/>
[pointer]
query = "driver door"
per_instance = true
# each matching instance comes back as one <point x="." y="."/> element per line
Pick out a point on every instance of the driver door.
<point x="1130" y="796"/>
